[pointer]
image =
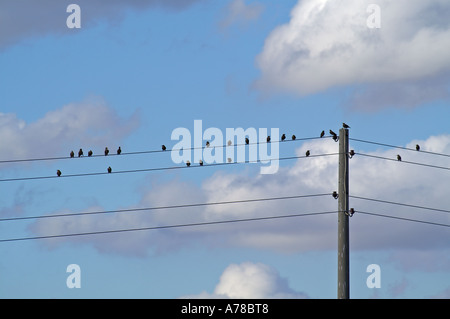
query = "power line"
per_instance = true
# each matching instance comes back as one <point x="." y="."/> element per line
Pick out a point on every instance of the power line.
<point x="403" y="161"/>
<point x="402" y="218"/>
<point x="161" y="168"/>
<point x="163" y="207"/>
<point x="399" y="147"/>
<point x="400" y="204"/>
<point x="165" y="227"/>
<point x="150" y="151"/>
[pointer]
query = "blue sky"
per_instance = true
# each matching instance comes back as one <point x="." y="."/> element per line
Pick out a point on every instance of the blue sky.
<point x="135" y="72"/>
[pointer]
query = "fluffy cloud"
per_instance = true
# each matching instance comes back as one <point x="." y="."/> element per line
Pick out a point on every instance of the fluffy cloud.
<point x="20" y="19"/>
<point x="251" y="281"/>
<point x="328" y="44"/>
<point x="90" y="122"/>
<point x="369" y="177"/>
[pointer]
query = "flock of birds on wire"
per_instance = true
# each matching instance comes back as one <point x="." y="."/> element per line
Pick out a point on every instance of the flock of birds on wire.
<point x="334" y="136"/>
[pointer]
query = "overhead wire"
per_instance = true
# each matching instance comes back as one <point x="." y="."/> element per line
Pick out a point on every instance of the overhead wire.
<point x="399" y="204"/>
<point x="401" y="218"/>
<point x="403" y="161"/>
<point x="163" y="207"/>
<point x="162" y="168"/>
<point x="152" y="151"/>
<point x="399" y="147"/>
<point x="219" y="203"/>
<point x="166" y="226"/>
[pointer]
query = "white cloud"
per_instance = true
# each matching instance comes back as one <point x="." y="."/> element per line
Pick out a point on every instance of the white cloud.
<point x="90" y="122"/>
<point x="237" y="12"/>
<point x="327" y="44"/>
<point x="250" y="280"/>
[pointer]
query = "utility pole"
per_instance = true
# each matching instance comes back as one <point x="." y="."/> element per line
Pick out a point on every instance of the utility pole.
<point x="343" y="218"/>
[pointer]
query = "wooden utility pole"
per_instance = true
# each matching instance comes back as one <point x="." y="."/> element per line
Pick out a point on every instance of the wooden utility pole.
<point x="343" y="218"/>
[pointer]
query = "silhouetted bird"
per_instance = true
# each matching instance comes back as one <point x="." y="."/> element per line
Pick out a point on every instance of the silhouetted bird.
<point x="119" y="151"/>
<point x="399" y="158"/>
<point x="417" y="147"/>
<point x="283" y="137"/>
<point x="80" y="153"/>
<point x="200" y="162"/>
<point x="188" y="163"/>
<point x="351" y="212"/>
<point x="163" y="147"/>
<point x="352" y="153"/>
<point x="109" y="169"/>
<point x="345" y="125"/>
<point x="207" y="144"/>
<point x="268" y="139"/>
<point x="293" y="137"/>
<point x="247" y="141"/>
<point x="335" y="195"/>
<point x="58" y="172"/>
<point x="106" y="151"/>
<point x="308" y="153"/>
<point x="90" y="153"/>
<point x="334" y="136"/>
<point x="72" y="154"/>
<point x="322" y="134"/>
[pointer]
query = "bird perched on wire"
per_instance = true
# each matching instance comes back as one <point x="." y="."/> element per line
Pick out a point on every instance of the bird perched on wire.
<point x="247" y="141"/>
<point x="80" y="153"/>
<point x="200" y="162"/>
<point x="345" y="125"/>
<point x="283" y="137"/>
<point x="58" y="172"/>
<point x="268" y="139"/>
<point x="188" y="163"/>
<point x="293" y="137"/>
<point x="334" y="136"/>
<point x="207" y="144"/>
<point x="109" y="169"/>
<point x="352" y="153"/>
<point x="308" y="153"/>
<point x="399" y="158"/>
<point x="322" y="134"/>
<point x="417" y="147"/>
<point x="163" y="147"/>
<point x="229" y="143"/>
<point x="106" y="151"/>
<point x="119" y="151"/>
<point x="335" y="195"/>
<point x="90" y="153"/>
<point x="72" y="154"/>
<point x="351" y="212"/>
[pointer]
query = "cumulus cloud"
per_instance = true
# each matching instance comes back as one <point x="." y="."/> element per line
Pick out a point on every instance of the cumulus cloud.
<point x="369" y="177"/>
<point x="237" y="12"/>
<point x="250" y="280"/>
<point x="328" y="44"/>
<point x="20" y="19"/>
<point x="90" y="122"/>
